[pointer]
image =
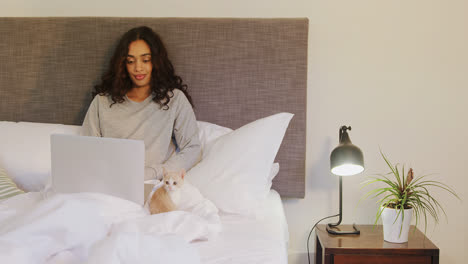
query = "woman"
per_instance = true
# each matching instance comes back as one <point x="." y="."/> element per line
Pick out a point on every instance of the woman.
<point x="140" y="97"/>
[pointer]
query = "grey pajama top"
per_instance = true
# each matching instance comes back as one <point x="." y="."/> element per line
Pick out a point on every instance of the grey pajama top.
<point x="149" y="122"/>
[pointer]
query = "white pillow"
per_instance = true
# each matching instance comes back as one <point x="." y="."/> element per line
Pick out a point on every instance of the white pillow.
<point x="209" y="132"/>
<point x="234" y="172"/>
<point x="274" y="171"/>
<point x="25" y="151"/>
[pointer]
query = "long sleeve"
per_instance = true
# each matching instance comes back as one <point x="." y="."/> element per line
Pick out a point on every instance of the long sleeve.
<point x="91" y="124"/>
<point x="186" y="136"/>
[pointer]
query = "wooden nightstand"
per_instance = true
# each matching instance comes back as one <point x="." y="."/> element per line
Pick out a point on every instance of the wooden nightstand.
<point x="370" y="248"/>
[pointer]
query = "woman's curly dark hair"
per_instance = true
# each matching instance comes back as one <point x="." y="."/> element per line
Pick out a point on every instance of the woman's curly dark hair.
<point x="116" y="82"/>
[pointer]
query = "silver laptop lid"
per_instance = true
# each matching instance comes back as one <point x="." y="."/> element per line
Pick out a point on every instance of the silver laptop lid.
<point x="94" y="164"/>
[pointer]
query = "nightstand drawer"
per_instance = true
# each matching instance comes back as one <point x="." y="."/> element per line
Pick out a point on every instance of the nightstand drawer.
<point x="372" y="259"/>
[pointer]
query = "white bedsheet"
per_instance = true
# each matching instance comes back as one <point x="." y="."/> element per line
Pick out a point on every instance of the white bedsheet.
<point x="263" y="239"/>
<point x="97" y="228"/>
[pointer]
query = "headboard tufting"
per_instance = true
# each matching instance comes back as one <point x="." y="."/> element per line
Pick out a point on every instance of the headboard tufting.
<point x="237" y="70"/>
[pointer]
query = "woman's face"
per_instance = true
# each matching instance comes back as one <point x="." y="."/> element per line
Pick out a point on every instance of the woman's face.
<point x="139" y="65"/>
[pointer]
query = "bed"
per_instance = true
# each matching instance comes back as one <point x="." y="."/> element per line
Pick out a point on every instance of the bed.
<point x="241" y="73"/>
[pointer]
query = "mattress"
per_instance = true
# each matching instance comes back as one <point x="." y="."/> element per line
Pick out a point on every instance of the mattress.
<point x="260" y="239"/>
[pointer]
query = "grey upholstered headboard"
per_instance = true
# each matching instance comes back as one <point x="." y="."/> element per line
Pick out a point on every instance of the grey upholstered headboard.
<point x="237" y="70"/>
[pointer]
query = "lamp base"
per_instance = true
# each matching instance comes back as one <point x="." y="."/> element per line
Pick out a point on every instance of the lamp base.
<point x="333" y="229"/>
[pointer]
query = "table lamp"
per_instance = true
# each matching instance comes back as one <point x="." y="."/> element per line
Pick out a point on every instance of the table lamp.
<point x="345" y="160"/>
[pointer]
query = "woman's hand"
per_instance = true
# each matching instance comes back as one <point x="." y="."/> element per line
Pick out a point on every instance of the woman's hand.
<point x="153" y="173"/>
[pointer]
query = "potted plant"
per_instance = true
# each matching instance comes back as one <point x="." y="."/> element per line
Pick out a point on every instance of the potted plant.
<point x="401" y="197"/>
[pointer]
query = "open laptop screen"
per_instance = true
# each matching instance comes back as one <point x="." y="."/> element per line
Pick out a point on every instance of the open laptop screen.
<point x="95" y="164"/>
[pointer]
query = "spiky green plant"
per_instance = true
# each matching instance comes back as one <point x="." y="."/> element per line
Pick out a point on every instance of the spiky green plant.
<point x="402" y="192"/>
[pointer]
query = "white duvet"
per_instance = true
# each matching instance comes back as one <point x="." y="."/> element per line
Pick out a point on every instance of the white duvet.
<point x="97" y="228"/>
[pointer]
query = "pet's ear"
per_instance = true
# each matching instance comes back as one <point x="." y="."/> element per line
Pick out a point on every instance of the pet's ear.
<point x="164" y="171"/>
<point x="182" y="173"/>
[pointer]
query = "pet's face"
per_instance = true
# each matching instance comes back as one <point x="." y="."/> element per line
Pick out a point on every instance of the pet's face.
<point x="173" y="180"/>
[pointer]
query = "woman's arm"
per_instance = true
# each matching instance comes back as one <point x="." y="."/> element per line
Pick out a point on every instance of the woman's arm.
<point x="186" y="136"/>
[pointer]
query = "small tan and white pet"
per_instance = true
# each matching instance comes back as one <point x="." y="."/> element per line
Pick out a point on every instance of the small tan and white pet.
<point x="165" y="198"/>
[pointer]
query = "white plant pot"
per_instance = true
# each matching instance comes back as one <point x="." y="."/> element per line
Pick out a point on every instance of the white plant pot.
<point x="391" y="228"/>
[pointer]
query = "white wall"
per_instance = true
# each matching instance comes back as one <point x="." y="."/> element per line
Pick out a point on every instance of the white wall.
<point x="393" y="70"/>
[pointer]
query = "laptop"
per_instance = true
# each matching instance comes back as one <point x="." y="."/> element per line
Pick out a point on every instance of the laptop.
<point x="95" y="164"/>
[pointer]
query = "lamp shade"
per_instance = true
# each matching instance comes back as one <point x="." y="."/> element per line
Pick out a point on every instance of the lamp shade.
<point x="346" y="159"/>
